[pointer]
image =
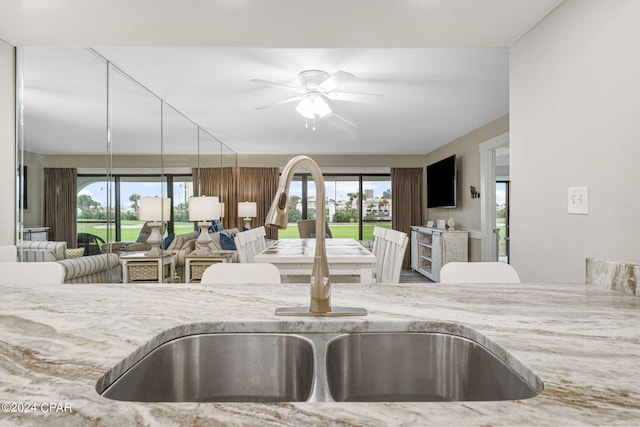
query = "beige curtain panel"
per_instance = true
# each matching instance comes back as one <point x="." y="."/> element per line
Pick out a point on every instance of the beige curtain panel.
<point x="406" y="194"/>
<point x="239" y="184"/>
<point x="259" y="185"/>
<point x="60" y="204"/>
<point x="220" y="182"/>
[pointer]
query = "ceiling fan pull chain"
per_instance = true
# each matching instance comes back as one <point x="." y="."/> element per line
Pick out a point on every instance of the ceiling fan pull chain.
<point x="314" y="123"/>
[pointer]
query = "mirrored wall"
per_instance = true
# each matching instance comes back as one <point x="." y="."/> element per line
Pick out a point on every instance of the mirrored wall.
<point x="93" y="144"/>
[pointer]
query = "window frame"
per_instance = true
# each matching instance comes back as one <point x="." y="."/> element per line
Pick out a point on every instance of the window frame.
<point x="305" y="178"/>
<point x="115" y="180"/>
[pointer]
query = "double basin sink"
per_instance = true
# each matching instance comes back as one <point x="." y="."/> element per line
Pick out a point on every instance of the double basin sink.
<point x="293" y="362"/>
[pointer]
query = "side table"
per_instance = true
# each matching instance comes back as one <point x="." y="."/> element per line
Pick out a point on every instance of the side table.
<point x="147" y="267"/>
<point x="196" y="263"/>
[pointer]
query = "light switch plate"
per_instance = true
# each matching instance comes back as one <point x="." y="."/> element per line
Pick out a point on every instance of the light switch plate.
<point x="578" y="200"/>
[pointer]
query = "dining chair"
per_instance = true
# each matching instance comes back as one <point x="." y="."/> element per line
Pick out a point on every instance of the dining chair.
<point x="478" y="272"/>
<point x="379" y="245"/>
<point x="235" y="273"/>
<point x="389" y="264"/>
<point x="249" y="243"/>
<point x="31" y="273"/>
<point x="307" y="229"/>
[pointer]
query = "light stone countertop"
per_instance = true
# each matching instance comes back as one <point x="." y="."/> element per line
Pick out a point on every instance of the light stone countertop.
<point x="57" y="341"/>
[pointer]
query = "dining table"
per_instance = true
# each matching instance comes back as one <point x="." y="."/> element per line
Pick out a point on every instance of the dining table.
<point x="345" y="257"/>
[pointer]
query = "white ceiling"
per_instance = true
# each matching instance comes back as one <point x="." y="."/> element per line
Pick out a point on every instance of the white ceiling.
<point x="441" y="64"/>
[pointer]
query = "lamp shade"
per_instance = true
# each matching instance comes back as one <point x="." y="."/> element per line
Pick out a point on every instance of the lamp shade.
<point x="247" y="209"/>
<point x="203" y="208"/>
<point x="155" y="208"/>
<point x="313" y="104"/>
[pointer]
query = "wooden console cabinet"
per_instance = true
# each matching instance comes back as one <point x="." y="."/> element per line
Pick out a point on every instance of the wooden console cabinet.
<point x="431" y="248"/>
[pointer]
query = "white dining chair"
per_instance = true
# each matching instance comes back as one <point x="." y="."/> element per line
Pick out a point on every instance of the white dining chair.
<point x="307" y="229"/>
<point x="249" y="243"/>
<point x="247" y="273"/>
<point x="379" y="246"/>
<point x="478" y="272"/>
<point x="389" y="267"/>
<point x="31" y="273"/>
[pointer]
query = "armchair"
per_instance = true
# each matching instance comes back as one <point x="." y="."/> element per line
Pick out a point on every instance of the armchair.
<point x="139" y="245"/>
<point x="91" y="243"/>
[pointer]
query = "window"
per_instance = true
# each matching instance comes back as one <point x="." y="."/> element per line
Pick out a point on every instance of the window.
<point x="502" y="219"/>
<point x="376" y="204"/>
<point x="111" y="210"/>
<point x="354" y="204"/>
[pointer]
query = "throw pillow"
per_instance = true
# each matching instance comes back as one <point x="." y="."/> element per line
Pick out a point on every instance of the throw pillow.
<point x="74" y="253"/>
<point x="227" y="242"/>
<point x="216" y="225"/>
<point x="168" y="240"/>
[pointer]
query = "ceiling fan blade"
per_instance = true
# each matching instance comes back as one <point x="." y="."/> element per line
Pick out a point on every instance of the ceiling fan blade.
<point x="285" y="101"/>
<point x="336" y="79"/>
<point x="280" y="85"/>
<point x="356" y="97"/>
<point x="349" y="122"/>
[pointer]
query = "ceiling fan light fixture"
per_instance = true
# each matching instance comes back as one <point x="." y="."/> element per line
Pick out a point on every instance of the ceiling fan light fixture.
<point x="305" y="108"/>
<point x="312" y="105"/>
<point x="321" y="107"/>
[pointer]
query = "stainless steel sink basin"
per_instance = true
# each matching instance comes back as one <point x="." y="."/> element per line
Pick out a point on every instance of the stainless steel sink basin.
<point x="418" y="367"/>
<point x="221" y="368"/>
<point x="319" y="362"/>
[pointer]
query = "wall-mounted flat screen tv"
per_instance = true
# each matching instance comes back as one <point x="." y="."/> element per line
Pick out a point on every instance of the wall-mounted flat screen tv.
<point x="441" y="183"/>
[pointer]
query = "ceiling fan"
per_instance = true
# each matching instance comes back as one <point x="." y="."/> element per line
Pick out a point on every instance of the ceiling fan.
<point x="316" y="90"/>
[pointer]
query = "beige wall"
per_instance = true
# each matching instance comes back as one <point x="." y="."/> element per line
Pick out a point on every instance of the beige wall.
<point x="358" y="162"/>
<point x="575" y="121"/>
<point x="467" y="212"/>
<point x="7" y="144"/>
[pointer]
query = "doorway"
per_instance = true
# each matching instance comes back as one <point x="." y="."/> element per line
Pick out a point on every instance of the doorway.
<point x="494" y="167"/>
<point x="502" y="220"/>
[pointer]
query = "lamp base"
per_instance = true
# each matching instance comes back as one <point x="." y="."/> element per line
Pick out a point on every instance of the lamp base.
<point x="203" y="239"/>
<point x="247" y="223"/>
<point x="155" y="238"/>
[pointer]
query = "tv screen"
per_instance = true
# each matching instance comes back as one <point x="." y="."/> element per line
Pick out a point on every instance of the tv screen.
<point x="441" y="183"/>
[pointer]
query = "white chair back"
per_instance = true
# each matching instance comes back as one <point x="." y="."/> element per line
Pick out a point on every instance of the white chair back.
<point x="249" y="243"/>
<point x="396" y="243"/>
<point x="31" y="273"/>
<point x="8" y="253"/>
<point x="307" y="229"/>
<point x="478" y="272"/>
<point x="235" y="273"/>
<point x="379" y="246"/>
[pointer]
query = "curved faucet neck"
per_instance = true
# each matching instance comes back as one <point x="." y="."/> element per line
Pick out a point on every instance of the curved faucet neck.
<point x="318" y="179"/>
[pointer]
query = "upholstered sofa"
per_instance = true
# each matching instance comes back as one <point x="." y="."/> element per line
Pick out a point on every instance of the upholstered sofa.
<point x="183" y="244"/>
<point x="216" y="242"/>
<point x="83" y="269"/>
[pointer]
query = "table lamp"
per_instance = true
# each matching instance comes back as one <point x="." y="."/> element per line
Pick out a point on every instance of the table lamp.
<point x="203" y="209"/>
<point x="247" y="210"/>
<point x="157" y="210"/>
